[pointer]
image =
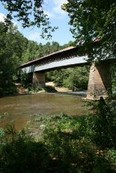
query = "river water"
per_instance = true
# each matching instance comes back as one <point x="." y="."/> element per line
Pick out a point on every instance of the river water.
<point x="20" y="109"/>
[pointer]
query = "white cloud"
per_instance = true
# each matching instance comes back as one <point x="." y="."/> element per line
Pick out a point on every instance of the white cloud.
<point x="53" y="8"/>
<point x="58" y="4"/>
<point x="49" y="14"/>
<point x="2" y="17"/>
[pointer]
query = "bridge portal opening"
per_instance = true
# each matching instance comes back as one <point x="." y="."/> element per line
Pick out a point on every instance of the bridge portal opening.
<point x="75" y="78"/>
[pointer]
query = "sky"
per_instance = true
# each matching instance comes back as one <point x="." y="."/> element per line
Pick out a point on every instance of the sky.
<point x="58" y="18"/>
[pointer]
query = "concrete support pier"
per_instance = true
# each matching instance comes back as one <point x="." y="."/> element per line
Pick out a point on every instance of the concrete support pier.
<point x="99" y="84"/>
<point x="39" y="79"/>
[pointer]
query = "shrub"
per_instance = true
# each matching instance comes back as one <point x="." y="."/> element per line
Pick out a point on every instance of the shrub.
<point x="69" y="140"/>
<point x="50" y="89"/>
<point x="105" y="124"/>
<point x="20" y="153"/>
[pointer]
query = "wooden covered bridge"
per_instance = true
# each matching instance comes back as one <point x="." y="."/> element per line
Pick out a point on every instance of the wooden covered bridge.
<point x="99" y="78"/>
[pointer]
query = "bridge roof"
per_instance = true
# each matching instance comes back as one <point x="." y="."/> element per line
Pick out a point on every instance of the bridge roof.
<point x="64" y="52"/>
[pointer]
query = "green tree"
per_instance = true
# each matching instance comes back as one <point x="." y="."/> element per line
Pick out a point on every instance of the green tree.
<point x="34" y="50"/>
<point x="6" y="65"/>
<point x="57" y="76"/>
<point x="113" y="77"/>
<point x="12" y="45"/>
<point x="29" y="13"/>
<point x="77" y="78"/>
<point x="94" y="26"/>
<point x="31" y="52"/>
<point x="49" y="48"/>
<point x="72" y="78"/>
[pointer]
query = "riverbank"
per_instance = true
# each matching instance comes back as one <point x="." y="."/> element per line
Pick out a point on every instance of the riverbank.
<point x="58" y="89"/>
<point x="23" y="90"/>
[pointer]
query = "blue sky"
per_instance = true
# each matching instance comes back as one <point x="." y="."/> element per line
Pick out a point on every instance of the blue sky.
<point x="57" y="17"/>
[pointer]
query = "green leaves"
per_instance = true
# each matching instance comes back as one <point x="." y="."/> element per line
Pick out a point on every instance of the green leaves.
<point x="91" y="21"/>
<point x="11" y="48"/>
<point x="29" y="13"/>
<point x="72" y="78"/>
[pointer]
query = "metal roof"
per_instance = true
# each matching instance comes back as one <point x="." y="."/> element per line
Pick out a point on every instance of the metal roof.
<point x="63" y="52"/>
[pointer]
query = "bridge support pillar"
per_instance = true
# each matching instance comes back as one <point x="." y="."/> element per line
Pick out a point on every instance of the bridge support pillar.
<point x="39" y="79"/>
<point x="99" y="84"/>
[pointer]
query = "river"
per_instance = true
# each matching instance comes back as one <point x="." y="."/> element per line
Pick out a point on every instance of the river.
<point x="20" y="109"/>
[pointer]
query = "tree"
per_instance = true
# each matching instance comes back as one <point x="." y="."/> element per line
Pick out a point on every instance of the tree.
<point x="34" y="50"/>
<point x="77" y="78"/>
<point x="94" y="26"/>
<point x="29" y="13"/>
<point x="6" y="66"/>
<point x="12" y="45"/>
<point x="73" y="78"/>
<point x="31" y="52"/>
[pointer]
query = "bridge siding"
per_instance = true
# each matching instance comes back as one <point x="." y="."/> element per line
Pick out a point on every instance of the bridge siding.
<point x="62" y="63"/>
<point x="57" y="63"/>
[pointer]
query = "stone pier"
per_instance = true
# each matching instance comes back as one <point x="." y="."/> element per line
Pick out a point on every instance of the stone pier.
<point x="99" y="84"/>
<point x="39" y="79"/>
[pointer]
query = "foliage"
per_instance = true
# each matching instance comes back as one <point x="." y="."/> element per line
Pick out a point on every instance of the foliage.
<point x="84" y="144"/>
<point x="50" y="89"/>
<point x="77" y="78"/>
<point x="34" y="50"/>
<point x="32" y="89"/>
<point x="93" y="26"/>
<point x="29" y="13"/>
<point x="7" y="60"/>
<point x="105" y="124"/>
<point x="113" y="74"/>
<point x="72" y="78"/>
<point x="12" y="46"/>
<point x="71" y="147"/>
<point x="57" y="76"/>
<point x="19" y="153"/>
<point x="25" y="79"/>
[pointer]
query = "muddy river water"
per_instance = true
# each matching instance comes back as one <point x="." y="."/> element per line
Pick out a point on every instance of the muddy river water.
<point x="20" y="109"/>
